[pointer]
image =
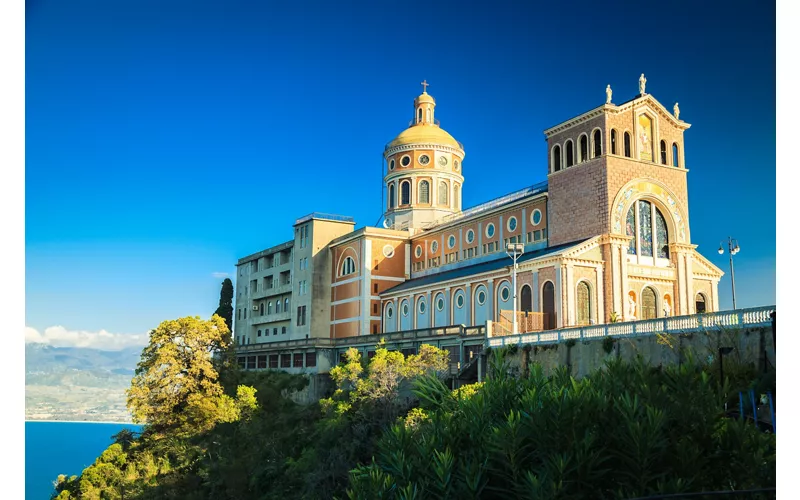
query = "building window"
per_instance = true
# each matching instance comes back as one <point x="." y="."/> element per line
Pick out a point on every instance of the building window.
<point x="556" y="158"/>
<point x="443" y="193"/>
<point x="273" y="361"/>
<point x="584" y="304"/>
<point x="418" y="251"/>
<point x="663" y="152"/>
<point x="259" y="333"/>
<point x="642" y="217"/>
<point x="570" y="154"/>
<point x="311" y="359"/>
<point x="348" y="266"/>
<point x="699" y="303"/>
<point x="298" y="360"/>
<point x="277" y="306"/>
<point x="422" y="306"/>
<point x="261" y="309"/>
<point x="481" y="297"/>
<point x="286" y="360"/>
<point x="374" y="329"/>
<point x="648" y="309"/>
<point x="613" y="141"/>
<point x="391" y="165"/>
<point x="627" y="144"/>
<point x="269" y="307"/>
<point x="596" y="144"/>
<point x="505" y="294"/>
<point x="470" y="236"/>
<point x="675" y="161"/>
<point x="391" y="195"/>
<point x="456" y="196"/>
<point x="434" y="246"/>
<point x="374" y="309"/>
<point x="460" y="300"/>
<point x="490" y="230"/>
<point x="451" y="241"/>
<point x="283" y="330"/>
<point x="583" y="149"/>
<point x="262" y="362"/>
<point x="275" y="331"/>
<point x="512" y="224"/>
<point x="286" y="304"/>
<point x="405" y="193"/>
<point x="440" y="303"/>
<point x="424" y="192"/>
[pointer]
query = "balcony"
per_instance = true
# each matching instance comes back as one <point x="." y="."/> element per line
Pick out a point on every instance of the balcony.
<point x="271" y="318"/>
<point x="269" y="292"/>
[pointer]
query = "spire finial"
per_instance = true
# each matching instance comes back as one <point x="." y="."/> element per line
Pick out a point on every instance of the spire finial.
<point x="425" y="86"/>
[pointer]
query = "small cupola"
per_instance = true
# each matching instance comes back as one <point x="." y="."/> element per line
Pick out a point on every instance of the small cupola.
<point x="423" y="107"/>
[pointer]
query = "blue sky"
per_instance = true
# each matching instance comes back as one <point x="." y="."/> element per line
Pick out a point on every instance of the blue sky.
<point x="156" y="132"/>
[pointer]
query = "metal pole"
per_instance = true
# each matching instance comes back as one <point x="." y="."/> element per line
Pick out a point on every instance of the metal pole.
<point x="514" y="285"/>
<point x="733" y="279"/>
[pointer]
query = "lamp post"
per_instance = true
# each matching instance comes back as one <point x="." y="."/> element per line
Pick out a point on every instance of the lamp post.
<point x="514" y="250"/>
<point x="733" y="249"/>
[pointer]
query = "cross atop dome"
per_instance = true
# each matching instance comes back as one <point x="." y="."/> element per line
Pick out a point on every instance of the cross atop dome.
<point x="425" y="86"/>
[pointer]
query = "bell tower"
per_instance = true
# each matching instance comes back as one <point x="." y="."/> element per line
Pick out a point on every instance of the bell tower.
<point x="423" y="176"/>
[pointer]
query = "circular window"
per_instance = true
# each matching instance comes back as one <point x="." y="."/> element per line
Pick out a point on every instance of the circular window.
<point x="470" y="236"/>
<point x="504" y="293"/>
<point x="481" y="297"/>
<point x="405" y="308"/>
<point x="405" y="161"/>
<point x="388" y="251"/>
<point x="459" y="301"/>
<point x="512" y="224"/>
<point x="424" y="159"/>
<point x="451" y="241"/>
<point x="536" y="217"/>
<point x="389" y="312"/>
<point x="422" y="307"/>
<point x="434" y="246"/>
<point x="443" y="161"/>
<point x="439" y="304"/>
<point x="391" y="165"/>
<point x="418" y="251"/>
<point x="456" y="165"/>
<point x="490" y="230"/>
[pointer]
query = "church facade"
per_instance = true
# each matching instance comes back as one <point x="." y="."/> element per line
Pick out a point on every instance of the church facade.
<point x="606" y="238"/>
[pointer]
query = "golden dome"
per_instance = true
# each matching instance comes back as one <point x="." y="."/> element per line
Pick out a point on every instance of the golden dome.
<point x="424" y="133"/>
<point x="424" y="97"/>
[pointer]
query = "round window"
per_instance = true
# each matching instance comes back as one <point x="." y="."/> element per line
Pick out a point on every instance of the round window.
<point x="405" y="161"/>
<point x="459" y="301"/>
<point x="442" y="161"/>
<point x="424" y="159"/>
<point x="439" y="304"/>
<point x="391" y="165"/>
<point x="389" y="312"/>
<point x="490" y="230"/>
<point x="434" y="246"/>
<point x="470" y="236"/>
<point x="536" y="217"/>
<point x="512" y="224"/>
<point x="405" y="308"/>
<point x="456" y="165"/>
<point x="422" y="307"/>
<point x="418" y="251"/>
<point x="451" y="241"/>
<point x="388" y="251"/>
<point x="481" y="297"/>
<point x="504" y="293"/>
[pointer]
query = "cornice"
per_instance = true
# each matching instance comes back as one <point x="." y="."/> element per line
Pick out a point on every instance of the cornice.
<point x="589" y="115"/>
<point x="660" y="109"/>
<point x="424" y="145"/>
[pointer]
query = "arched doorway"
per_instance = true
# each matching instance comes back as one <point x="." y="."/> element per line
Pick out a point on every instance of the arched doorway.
<point x="584" y="309"/>
<point x="549" y="305"/>
<point x="526" y="304"/>
<point x="700" y="303"/>
<point x="648" y="303"/>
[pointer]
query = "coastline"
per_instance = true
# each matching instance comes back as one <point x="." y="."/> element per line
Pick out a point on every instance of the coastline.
<point x="82" y="422"/>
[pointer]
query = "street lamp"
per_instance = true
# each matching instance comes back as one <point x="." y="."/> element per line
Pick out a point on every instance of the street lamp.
<point x="514" y="250"/>
<point x="733" y="249"/>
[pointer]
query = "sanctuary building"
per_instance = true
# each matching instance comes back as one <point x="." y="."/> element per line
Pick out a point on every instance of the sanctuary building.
<point x="606" y="238"/>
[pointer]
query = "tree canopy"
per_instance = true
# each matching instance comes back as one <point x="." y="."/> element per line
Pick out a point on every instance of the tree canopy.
<point x="225" y="309"/>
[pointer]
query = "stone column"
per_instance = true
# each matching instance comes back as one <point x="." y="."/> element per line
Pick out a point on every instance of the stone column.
<point x="430" y="309"/>
<point x="715" y="295"/>
<point x="600" y="315"/>
<point x="535" y="291"/>
<point x="470" y="321"/>
<point x="447" y="309"/>
<point x="570" y="293"/>
<point x="490" y="299"/>
<point x="557" y="305"/>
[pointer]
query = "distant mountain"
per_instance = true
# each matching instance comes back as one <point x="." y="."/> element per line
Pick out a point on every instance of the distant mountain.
<point x="74" y="383"/>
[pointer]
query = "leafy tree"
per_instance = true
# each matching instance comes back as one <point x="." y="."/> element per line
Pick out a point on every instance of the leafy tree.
<point x="225" y="309"/>
<point x="176" y="384"/>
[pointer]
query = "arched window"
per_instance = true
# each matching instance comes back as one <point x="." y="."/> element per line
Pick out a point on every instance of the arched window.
<point x="699" y="303"/>
<point x="675" y="161"/>
<point x="648" y="309"/>
<point x="424" y="192"/>
<point x="549" y="305"/>
<point x="613" y="141"/>
<point x="269" y="304"/>
<point x="570" y="154"/>
<point x="584" y="304"/>
<point x="583" y="149"/>
<point x="526" y="304"/>
<point x="391" y="195"/>
<point x="405" y="193"/>
<point x="261" y="309"/>
<point x="456" y="196"/>
<point x="664" y="152"/>
<point x="556" y="158"/>
<point x="348" y="266"/>
<point x="596" y="144"/>
<point x="642" y="217"/>
<point x="286" y="304"/>
<point x="627" y="144"/>
<point x="277" y="306"/>
<point x="419" y="115"/>
<point x="428" y="115"/>
<point x="442" y="193"/>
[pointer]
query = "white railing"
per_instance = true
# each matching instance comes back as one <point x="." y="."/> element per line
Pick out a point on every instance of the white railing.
<point x="751" y="317"/>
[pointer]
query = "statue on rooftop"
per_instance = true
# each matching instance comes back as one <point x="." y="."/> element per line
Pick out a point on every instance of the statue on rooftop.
<point x="608" y="94"/>
<point x="642" y="82"/>
<point x="677" y="111"/>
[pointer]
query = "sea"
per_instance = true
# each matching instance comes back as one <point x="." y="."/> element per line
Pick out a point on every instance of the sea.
<point x="53" y="448"/>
